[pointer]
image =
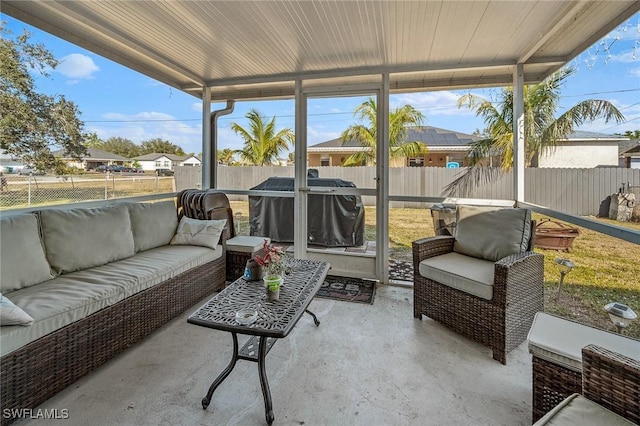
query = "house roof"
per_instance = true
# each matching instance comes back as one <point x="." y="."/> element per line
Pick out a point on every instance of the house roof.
<point x="594" y="136"/>
<point x="155" y="155"/>
<point x="628" y="148"/>
<point x="258" y="49"/>
<point x="95" y="154"/>
<point x="433" y="137"/>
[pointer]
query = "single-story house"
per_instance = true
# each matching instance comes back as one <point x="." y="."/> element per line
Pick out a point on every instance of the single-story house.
<point x="157" y="160"/>
<point x="95" y="157"/>
<point x="630" y="154"/>
<point x="8" y="164"/>
<point x="583" y="149"/>
<point x="444" y="147"/>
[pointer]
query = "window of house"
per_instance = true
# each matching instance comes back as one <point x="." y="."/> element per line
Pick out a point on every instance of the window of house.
<point x="416" y="162"/>
<point x="324" y="161"/>
<point x="158" y="164"/>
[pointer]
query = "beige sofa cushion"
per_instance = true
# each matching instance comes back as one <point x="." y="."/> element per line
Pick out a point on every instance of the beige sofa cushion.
<point x="83" y="238"/>
<point x="492" y="233"/>
<point x="22" y="259"/>
<point x="465" y="273"/>
<point x="153" y="224"/>
<point x="576" y="410"/>
<point x="71" y="297"/>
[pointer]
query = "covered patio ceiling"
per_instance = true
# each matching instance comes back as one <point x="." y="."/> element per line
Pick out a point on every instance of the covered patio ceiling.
<point x="257" y="49"/>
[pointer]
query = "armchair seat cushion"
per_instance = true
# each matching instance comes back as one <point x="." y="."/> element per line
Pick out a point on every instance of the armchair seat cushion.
<point x="465" y="273"/>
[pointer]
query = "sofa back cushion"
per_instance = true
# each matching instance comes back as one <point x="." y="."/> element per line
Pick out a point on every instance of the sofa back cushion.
<point x="83" y="238"/>
<point x="153" y="224"/>
<point x="492" y="233"/>
<point x="22" y="259"/>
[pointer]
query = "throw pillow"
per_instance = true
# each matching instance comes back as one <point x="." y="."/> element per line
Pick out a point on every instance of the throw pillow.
<point x="10" y="314"/>
<point x="492" y="233"/>
<point x="195" y="232"/>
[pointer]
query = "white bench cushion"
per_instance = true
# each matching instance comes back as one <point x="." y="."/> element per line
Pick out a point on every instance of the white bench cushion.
<point x="465" y="273"/>
<point x="561" y="341"/>
<point x="245" y="244"/>
<point x="71" y="297"/>
<point x="577" y="410"/>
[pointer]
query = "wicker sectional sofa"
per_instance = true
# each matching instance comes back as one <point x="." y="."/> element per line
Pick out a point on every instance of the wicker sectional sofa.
<point x="94" y="281"/>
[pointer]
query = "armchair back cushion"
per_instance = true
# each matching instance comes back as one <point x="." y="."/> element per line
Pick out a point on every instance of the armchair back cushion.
<point x="492" y="233"/>
<point x="83" y="238"/>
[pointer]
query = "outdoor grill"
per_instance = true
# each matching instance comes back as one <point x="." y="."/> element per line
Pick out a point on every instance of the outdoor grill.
<point x="332" y="221"/>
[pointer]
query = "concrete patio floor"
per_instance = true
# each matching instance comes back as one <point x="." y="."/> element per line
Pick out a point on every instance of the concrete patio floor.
<point x="365" y="365"/>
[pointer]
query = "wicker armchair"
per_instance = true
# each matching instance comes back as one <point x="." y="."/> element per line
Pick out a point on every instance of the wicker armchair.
<point x="610" y="380"/>
<point x="503" y="321"/>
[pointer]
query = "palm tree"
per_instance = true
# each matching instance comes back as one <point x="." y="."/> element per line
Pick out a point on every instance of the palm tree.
<point x="262" y="144"/>
<point x="365" y="135"/>
<point x="225" y="156"/>
<point x="542" y="130"/>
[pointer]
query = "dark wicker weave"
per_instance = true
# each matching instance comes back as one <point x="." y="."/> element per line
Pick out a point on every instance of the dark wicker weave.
<point x="37" y="371"/>
<point x="552" y="383"/>
<point x="612" y="380"/>
<point x="237" y="261"/>
<point x="501" y="323"/>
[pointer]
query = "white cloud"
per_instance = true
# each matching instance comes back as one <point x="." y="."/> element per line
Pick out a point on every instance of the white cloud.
<point x="432" y="103"/>
<point x="635" y="72"/>
<point x="148" y="125"/>
<point x="318" y="134"/>
<point x="77" y="66"/>
<point x="625" y="57"/>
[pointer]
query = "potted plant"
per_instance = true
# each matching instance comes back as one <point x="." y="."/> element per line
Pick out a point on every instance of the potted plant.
<point x="273" y="263"/>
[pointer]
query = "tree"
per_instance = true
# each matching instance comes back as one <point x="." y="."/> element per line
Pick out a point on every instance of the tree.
<point x="121" y="146"/>
<point x="32" y="124"/>
<point x="631" y="134"/>
<point x="262" y="143"/>
<point x="160" y="146"/>
<point x="226" y="156"/>
<point x="365" y="134"/>
<point x="542" y="130"/>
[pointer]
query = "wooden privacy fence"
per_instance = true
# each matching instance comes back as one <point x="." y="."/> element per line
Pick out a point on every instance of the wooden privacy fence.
<point x="580" y="192"/>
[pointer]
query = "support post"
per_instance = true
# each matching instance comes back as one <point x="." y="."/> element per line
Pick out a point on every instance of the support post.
<point x="208" y="151"/>
<point x="518" y="133"/>
<point x="382" y="183"/>
<point x="300" y="173"/>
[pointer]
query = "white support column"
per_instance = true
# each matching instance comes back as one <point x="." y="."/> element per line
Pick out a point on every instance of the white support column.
<point x="300" y="173"/>
<point x="382" y="183"/>
<point x="518" y="133"/>
<point x="208" y="151"/>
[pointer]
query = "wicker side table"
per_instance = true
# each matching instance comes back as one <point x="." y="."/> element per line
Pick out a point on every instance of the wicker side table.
<point x="240" y="249"/>
<point x="556" y="347"/>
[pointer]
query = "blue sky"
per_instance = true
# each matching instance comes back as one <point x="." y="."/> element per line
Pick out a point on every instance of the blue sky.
<point x="116" y="101"/>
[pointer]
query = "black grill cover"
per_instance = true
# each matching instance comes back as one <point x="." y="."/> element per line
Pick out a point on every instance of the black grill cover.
<point x="333" y="220"/>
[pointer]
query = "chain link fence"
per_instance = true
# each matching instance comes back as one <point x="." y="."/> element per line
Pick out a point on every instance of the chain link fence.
<point x="29" y="191"/>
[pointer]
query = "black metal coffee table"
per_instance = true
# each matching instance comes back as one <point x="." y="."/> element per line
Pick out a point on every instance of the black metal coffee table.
<point x="275" y="320"/>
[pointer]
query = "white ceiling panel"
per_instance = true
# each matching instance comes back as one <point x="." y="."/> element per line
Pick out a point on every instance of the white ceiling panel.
<point x="245" y="49"/>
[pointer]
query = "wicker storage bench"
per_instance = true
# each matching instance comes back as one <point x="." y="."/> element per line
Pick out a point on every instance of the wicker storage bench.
<point x="139" y="292"/>
<point x="556" y="347"/>
<point x="610" y="392"/>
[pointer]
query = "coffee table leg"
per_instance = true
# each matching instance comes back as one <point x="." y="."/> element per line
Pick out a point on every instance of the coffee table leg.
<point x="266" y="393"/>
<point x="315" y="319"/>
<point x="207" y="399"/>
